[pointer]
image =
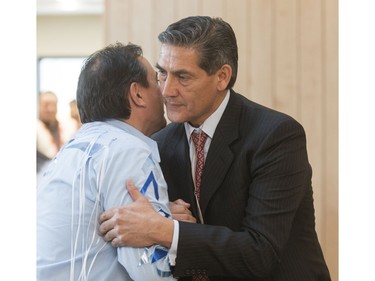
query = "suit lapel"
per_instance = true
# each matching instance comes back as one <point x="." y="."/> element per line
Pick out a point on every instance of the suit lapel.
<point x="220" y="155"/>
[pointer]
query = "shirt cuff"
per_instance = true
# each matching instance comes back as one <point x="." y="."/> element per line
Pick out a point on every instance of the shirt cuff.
<point x="172" y="253"/>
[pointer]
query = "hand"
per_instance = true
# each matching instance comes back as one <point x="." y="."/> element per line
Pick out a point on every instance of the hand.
<point x="137" y="224"/>
<point x="180" y="211"/>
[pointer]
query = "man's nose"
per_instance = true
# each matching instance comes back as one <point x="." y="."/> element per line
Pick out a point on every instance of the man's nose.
<point x="169" y="87"/>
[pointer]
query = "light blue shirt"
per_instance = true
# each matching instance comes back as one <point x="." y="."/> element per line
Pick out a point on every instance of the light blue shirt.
<point x="87" y="177"/>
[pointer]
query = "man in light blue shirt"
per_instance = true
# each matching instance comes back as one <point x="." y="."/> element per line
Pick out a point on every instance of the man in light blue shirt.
<point x="120" y="104"/>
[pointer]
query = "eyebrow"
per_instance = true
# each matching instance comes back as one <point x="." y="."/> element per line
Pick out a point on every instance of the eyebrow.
<point x="158" y="66"/>
<point x="176" y="72"/>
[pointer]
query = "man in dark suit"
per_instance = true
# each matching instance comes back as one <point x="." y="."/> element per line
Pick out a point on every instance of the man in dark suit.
<point x="254" y="199"/>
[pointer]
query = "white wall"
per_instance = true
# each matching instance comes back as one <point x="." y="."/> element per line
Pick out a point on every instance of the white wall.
<point x="63" y="35"/>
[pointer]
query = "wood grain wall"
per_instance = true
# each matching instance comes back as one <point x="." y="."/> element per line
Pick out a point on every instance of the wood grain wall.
<point x="288" y="60"/>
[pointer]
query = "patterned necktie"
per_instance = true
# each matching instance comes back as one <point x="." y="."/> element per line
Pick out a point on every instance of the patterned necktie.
<point x="199" y="139"/>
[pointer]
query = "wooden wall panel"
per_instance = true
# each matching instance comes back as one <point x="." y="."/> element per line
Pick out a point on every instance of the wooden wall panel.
<point x="238" y="19"/>
<point x="285" y="84"/>
<point x="311" y="100"/>
<point x="164" y="15"/>
<point x="330" y="153"/>
<point x="186" y="8"/>
<point x="287" y="60"/>
<point x="213" y="8"/>
<point x="141" y="29"/>
<point x="260" y="58"/>
<point x="117" y="13"/>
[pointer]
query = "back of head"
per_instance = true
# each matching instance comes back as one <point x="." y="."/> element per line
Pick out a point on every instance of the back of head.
<point x="213" y="38"/>
<point x="104" y="82"/>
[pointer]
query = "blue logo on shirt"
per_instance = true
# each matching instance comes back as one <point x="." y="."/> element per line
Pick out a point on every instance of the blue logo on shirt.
<point x="151" y="179"/>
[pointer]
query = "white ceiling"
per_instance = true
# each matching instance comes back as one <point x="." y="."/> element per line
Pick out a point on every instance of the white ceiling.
<point x="69" y="7"/>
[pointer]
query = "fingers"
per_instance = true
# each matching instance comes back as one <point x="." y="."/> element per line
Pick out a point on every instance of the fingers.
<point x="107" y="215"/>
<point x="134" y="193"/>
<point x="110" y="235"/>
<point x="133" y="190"/>
<point x="116" y="242"/>
<point x="184" y="217"/>
<point x="105" y="226"/>
<point x="180" y="211"/>
<point x="113" y="237"/>
<point x="110" y="232"/>
<point x="182" y="203"/>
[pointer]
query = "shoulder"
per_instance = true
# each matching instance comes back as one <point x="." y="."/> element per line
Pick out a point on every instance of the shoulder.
<point x="257" y="121"/>
<point x="170" y="131"/>
<point x="256" y="112"/>
<point x="110" y="140"/>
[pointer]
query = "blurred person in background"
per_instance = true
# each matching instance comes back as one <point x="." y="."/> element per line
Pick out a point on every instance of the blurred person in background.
<point x="74" y="114"/>
<point x="50" y="135"/>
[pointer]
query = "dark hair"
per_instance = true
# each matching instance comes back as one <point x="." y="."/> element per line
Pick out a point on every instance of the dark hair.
<point x="213" y="38"/>
<point x="104" y="82"/>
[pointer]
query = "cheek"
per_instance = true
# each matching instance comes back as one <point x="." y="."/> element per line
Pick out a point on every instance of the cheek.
<point x="193" y="106"/>
<point x="197" y="101"/>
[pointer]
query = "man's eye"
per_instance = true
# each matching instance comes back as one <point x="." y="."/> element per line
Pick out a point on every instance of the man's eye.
<point x="162" y="76"/>
<point x="183" y="77"/>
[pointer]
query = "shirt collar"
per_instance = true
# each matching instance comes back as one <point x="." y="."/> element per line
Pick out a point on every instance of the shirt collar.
<point x="210" y="124"/>
<point x="133" y="131"/>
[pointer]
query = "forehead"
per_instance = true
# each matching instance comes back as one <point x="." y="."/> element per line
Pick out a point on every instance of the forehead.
<point x="174" y="57"/>
<point x="47" y="98"/>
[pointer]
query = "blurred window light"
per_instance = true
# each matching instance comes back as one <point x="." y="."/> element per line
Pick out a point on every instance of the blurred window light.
<point x="69" y="7"/>
<point x="60" y="75"/>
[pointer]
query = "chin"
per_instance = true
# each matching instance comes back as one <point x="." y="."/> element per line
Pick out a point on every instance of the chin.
<point x="176" y="118"/>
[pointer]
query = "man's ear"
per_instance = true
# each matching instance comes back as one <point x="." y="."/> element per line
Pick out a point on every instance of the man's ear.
<point x="224" y="74"/>
<point x="135" y="95"/>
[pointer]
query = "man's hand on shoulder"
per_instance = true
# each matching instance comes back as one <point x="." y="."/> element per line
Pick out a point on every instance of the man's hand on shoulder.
<point x="137" y="224"/>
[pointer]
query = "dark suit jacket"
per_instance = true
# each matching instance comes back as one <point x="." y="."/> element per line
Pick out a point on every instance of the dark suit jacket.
<point x="256" y="198"/>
